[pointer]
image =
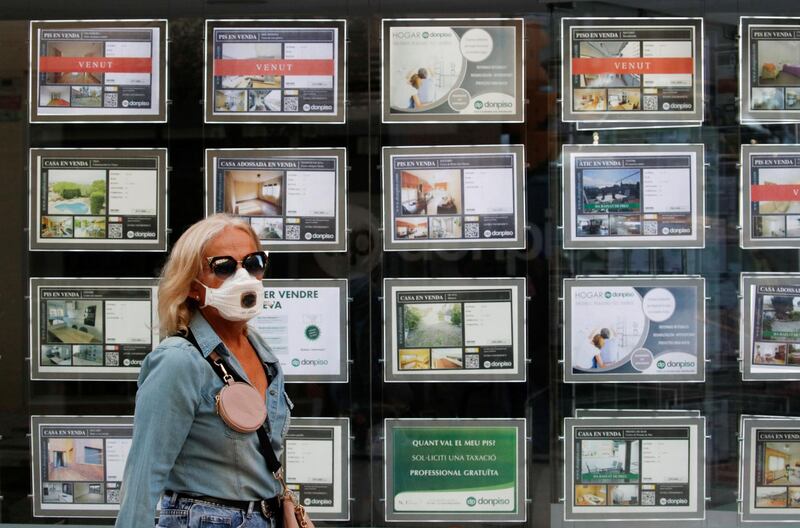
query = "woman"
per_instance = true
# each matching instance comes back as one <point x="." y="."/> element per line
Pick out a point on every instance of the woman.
<point x="209" y="474"/>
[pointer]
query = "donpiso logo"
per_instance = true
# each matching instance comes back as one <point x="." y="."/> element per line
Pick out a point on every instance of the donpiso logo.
<point x="471" y="501"/>
<point x="425" y="34"/>
<point x="478" y="104"/>
<point x="661" y="364"/>
<point x="295" y="362"/>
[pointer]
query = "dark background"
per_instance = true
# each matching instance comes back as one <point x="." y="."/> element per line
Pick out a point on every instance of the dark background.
<point x="543" y="399"/>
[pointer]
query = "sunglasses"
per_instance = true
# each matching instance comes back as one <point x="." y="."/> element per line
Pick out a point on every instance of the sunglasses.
<point x="223" y="267"/>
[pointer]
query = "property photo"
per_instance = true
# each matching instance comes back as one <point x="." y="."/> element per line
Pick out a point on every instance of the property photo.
<point x="230" y="100"/>
<point x="430" y="192"/>
<point x="56" y="355"/>
<point x="59" y="492"/>
<point x="624" y="494"/>
<point x="610" y="461"/>
<point x="75" y="459"/>
<point x="616" y="190"/>
<point x="445" y="227"/>
<point x="609" y="49"/>
<point x="267" y="228"/>
<point x="87" y="96"/>
<point x="89" y="493"/>
<point x="780" y="318"/>
<point x="54" y="96"/>
<point x="415" y="359"/>
<point x="76" y="192"/>
<point x="590" y="495"/>
<point x="78" y="322"/>
<point x="588" y="100"/>
<point x="624" y="100"/>
<point x="781" y="463"/>
<point x="770" y="497"/>
<point x="433" y="325"/>
<point x="770" y="226"/>
<point x="625" y="225"/>
<point x="592" y="225"/>
<point x="250" y="51"/>
<point x="792" y="98"/>
<point x="253" y="193"/>
<point x="770" y="354"/>
<point x="87" y="355"/>
<point x="90" y="227"/>
<point x="447" y="358"/>
<point x="794" y="497"/>
<point x="57" y="227"/>
<point x="767" y="99"/>
<point x="264" y="100"/>
<point x="778" y="176"/>
<point x="793" y="226"/>
<point x="778" y="62"/>
<point x="411" y="228"/>
<point x="68" y="48"/>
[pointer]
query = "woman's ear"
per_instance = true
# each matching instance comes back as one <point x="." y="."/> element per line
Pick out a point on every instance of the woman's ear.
<point x="197" y="293"/>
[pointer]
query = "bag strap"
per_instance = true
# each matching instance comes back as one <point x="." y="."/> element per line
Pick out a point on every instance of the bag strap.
<point x="223" y="370"/>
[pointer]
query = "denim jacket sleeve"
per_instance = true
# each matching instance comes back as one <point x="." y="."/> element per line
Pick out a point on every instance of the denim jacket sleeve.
<point x="166" y="402"/>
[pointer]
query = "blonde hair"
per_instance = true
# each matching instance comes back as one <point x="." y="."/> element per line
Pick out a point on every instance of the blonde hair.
<point x="185" y="263"/>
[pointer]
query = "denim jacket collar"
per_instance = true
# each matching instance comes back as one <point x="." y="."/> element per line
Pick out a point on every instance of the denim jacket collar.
<point x="208" y="340"/>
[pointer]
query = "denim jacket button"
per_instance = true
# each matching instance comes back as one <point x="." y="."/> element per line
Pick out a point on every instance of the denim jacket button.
<point x="272" y="392"/>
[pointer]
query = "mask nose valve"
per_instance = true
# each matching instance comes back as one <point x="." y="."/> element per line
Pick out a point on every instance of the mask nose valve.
<point x="249" y="299"/>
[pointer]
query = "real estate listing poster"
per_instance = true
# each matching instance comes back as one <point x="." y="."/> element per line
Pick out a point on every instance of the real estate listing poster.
<point x="98" y="199"/>
<point x="100" y="70"/>
<point x="770" y="326"/>
<point x="294" y="199"/>
<point x="633" y="329"/>
<point x="440" y="70"/>
<point x="632" y="70"/>
<point x="625" y="468"/>
<point x="279" y="71"/>
<point x="770" y="196"/>
<point x="769" y="75"/>
<point x="78" y="462"/>
<point x="316" y="462"/>
<point x="91" y="329"/>
<point x="443" y="198"/>
<point x="305" y="322"/>
<point x="769" y="472"/>
<point x="454" y="330"/>
<point x="623" y="196"/>
<point x="455" y="470"/>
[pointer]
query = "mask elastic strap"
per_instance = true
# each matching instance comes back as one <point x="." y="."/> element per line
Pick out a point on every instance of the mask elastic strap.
<point x="206" y="290"/>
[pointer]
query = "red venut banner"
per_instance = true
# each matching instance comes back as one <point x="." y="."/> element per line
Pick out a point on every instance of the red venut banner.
<point x="224" y="67"/>
<point x="775" y="193"/>
<point x="95" y="64"/>
<point x="632" y="65"/>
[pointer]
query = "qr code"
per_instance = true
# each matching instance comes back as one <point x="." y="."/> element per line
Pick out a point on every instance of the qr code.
<point x="292" y="232"/>
<point x="472" y="361"/>
<point x="291" y="104"/>
<point x="112" y="496"/>
<point x="110" y="99"/>
<point x="114" y="230"/>
<point x="112" y="359"/>
<point x="648" y="498"/>
<point x="472" y="230"/>
<point x="650" y="228"/>
<point x="650" y="102"/>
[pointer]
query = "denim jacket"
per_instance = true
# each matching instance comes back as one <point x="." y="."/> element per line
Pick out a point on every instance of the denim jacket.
<point x="179" y="441"/>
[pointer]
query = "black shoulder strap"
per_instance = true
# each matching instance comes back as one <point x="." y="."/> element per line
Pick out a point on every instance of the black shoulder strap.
<point x="273" y="464"/>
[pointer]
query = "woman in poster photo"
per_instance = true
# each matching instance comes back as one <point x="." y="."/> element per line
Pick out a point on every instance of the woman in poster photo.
<point x="182" y="451"/>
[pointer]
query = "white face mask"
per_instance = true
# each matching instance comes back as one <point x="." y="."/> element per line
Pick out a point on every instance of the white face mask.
<point x="239" y="298"/>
